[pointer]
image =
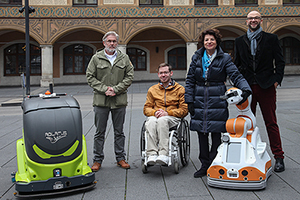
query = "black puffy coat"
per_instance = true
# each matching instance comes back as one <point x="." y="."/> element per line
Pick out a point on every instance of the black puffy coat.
<point x="211" y="111"/>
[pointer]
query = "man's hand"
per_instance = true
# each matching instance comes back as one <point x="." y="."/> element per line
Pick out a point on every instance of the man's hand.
<point x="275" y="84"/>
<point x="160" y="113"/>
<point x="110" y="92"/>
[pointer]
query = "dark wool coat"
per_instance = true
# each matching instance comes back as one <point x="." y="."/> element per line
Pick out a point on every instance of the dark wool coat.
<point x="261" y="69"/>
<point x="211" y="111"/>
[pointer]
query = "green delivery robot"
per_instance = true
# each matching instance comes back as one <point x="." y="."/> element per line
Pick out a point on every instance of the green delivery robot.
<point x="52" y="155"/>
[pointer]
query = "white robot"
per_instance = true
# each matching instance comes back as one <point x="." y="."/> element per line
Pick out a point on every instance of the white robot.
<point x="242" y="161"/>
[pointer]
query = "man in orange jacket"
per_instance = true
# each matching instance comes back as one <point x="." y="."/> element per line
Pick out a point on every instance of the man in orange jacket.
<point x="164" y="107"/>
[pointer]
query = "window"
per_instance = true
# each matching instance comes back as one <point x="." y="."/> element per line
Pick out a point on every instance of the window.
<point x="77" y="58"/>
<point x="206" y="2"/>
<point x="15" y="60"/>
<point x="11" y="2"/>
<point x="246" y="2"/>
<point x="291" y="50"/>
<point x="151" y="2"/>
<point x="228" y="47"/>
<point x="286" y="2"/>
<point x="177" y="58"/>
<point x="138" y="58"/>
<point x="84" y="2"/>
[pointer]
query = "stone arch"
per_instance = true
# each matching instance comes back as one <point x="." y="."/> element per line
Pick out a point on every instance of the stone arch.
<point x="148" y="27"/>
<point x="36" y="37"/>
<point x="236" y="28"/>
<point x="274" y="25"/>
<point x="62" y="33"/>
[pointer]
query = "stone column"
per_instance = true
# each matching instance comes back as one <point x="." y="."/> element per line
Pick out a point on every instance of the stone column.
<point x="191" y="47"/>
<point x="47" y="65"/>
<point x="122" y="47"/>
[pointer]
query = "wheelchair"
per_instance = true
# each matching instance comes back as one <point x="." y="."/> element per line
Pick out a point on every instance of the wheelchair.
<point x="179" y="146"/>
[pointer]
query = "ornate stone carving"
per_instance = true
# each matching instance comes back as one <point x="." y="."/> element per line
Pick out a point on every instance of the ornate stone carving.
<point x="137" y="11"/>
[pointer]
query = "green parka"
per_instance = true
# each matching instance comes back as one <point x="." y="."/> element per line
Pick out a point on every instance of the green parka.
<point x="101" y="74"/>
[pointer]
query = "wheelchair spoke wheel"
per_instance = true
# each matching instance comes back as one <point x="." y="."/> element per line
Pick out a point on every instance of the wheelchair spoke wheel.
<point x="142" y="139"/>
<point x="184" y="143"/>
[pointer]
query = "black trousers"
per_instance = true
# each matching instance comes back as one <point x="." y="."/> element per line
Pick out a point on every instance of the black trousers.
<point x="207" y="155"/>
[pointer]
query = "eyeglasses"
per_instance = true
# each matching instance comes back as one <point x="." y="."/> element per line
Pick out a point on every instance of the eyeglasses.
<point x="161" y="73"/>
<point x="111" y="41"/>
<point x="254" y="18"/>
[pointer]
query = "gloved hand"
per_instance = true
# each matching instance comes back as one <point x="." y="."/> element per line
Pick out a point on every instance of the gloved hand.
<point x="245" y="95"/>
<point x="191" y="108"/>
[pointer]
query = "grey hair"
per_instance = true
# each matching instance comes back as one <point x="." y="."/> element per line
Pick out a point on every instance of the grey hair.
<point x="110" y="33"/>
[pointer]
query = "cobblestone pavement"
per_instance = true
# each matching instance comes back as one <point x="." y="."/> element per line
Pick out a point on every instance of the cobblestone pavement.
<point x="160" y="182"/>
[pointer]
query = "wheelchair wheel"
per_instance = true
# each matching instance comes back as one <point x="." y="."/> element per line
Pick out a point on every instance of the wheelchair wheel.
<point x="176" y="167"/>
<point x="142" y="139"/>
<point x="144" y="167"/>
<point x="184" y="142"/>
<point x="142" y="148"/>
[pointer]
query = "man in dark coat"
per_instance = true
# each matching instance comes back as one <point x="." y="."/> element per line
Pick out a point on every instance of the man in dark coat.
<point x="255" y="53"/>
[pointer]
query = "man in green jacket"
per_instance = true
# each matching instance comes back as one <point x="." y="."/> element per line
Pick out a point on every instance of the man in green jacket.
<point x="109" y="73"/>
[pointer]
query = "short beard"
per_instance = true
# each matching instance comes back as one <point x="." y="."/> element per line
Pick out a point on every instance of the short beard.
<point x="254" y="29"/>
<point x="110" y="50"/>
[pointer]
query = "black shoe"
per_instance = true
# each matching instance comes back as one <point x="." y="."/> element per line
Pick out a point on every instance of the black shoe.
<point x="200" y="173"/>
<point x="279" y="165"/>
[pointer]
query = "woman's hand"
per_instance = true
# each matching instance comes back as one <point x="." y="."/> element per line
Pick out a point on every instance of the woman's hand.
<point x="191" y="108"/>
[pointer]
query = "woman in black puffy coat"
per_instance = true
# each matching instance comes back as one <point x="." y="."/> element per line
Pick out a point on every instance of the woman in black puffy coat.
<point x="205" y="83"/>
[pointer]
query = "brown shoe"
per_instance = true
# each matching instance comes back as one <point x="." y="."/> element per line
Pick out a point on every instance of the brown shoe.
<point x="96" y="166"/>
<point x="123" y="164"/>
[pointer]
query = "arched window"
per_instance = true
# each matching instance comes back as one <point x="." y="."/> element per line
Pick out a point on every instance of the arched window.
<point x="228" y="47"/>
<point x="15" y="60"/>
<point x="77" y="58"/>
<point x="177" y="58"/>
<point x="138" y="58"/>
<point x="291" y="50"/>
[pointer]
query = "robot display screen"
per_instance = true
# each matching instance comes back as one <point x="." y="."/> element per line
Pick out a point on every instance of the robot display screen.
<point x="233" y="152"/>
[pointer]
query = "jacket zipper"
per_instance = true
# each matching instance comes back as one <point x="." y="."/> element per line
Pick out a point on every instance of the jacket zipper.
<point x="165" y="99"/>
<point x="205" y="110"/>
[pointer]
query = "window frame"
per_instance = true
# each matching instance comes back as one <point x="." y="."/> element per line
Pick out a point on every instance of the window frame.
<point x="17" y="55"/>
<point x="290" y="3"/>
<point x="136" y="55"/>
<point x="85" y="3"/>
<point x="73" y="54"/>
<point x="293" y="46"/>
<point x="150" y="4"/>
<point x="11" y="3"/>
<point x="246" y="4"/>
<point x="231" y="50"/>
<point x="206" y="4"/>
<point x="175" y="67"/>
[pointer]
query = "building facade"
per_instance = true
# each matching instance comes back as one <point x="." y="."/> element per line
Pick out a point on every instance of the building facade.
<point x="64" y="34"/>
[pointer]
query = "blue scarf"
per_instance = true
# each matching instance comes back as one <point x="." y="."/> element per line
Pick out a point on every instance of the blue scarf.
<point x="253" y="36"/>
<point x="205" y="63"/>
